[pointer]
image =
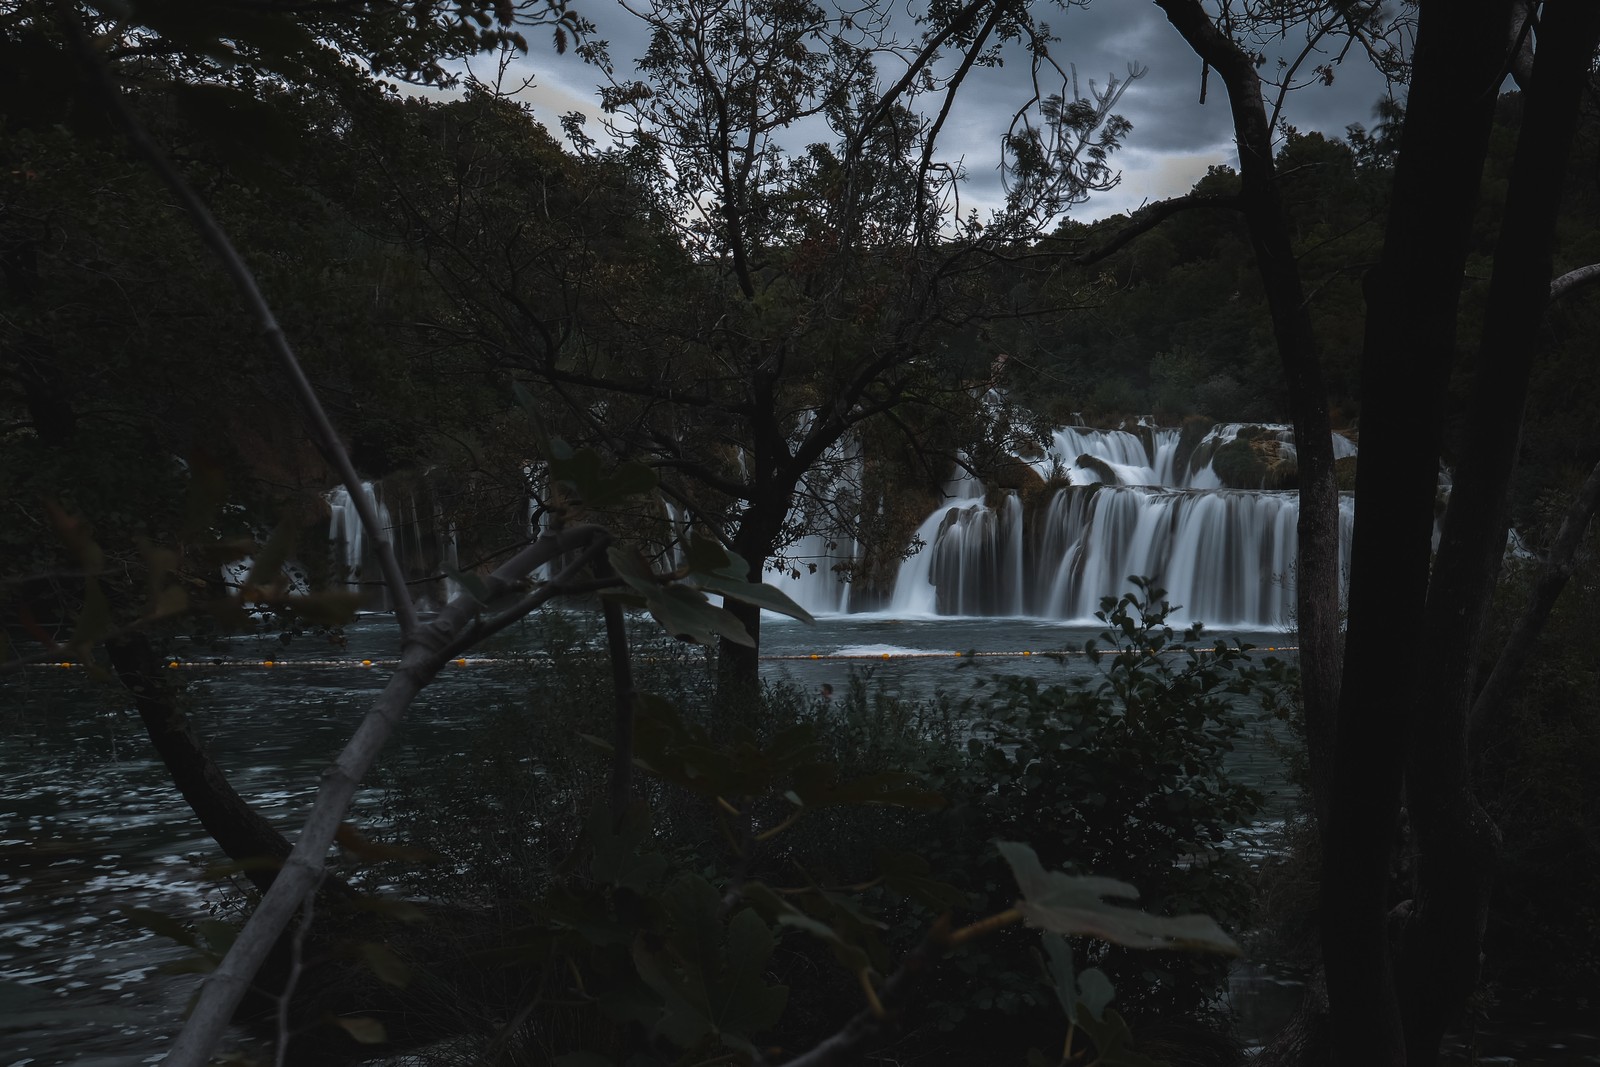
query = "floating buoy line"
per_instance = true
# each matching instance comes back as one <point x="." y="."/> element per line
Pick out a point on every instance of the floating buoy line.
<point x="495" y="661"/>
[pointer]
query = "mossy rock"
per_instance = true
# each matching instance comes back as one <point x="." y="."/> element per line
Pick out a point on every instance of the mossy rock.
<point x="1029" y="449"/>
<point x="1013" y="473"/>
<point x="1255" y="460"/>
<point x="1194" y="430"/>
<point x="1099" y="466"/>
<point x="1344" y="472"/>
<point x="1038" y="498"/>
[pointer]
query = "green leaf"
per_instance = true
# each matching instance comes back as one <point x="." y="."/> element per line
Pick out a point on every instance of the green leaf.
<point x="1113" y="1041"/>
<point x="382" y="961"/>
<point x="165" y="925"/>
<point x="1073" y="905"/>
<point x="472" y="584"/>
<point x="759" y="594"/>
<point x="706" y="557"/>
<point x="745" y="1004"/>
<point x="1095" y="991"/>
<point x="709" y="979"/>
<point x="365" y="1029"/>
<point x="266" y="568"/>
<point x="685" y="613"/>
<point x="618" y="857"/>
<point x="898" y="788"/>
<point x="1058" y="961"/>
<point x="94" y="621"/>
<point x="218" y="935"/>
<point x="584" y="472"/>
<point x="911" y="876"/>
<point x="632" y="568"/>
<point x="173" y="600"/>
<point x="333" y="607"/>
<point x="391" y="907"/>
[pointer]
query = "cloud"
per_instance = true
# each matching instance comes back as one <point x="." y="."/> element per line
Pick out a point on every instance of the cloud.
<point x="1174" y="138"/>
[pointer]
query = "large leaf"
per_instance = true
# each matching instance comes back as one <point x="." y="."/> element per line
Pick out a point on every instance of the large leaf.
<point x="1113" y="1042"/>
<point x="911" y="876"/>
<point x="704" y="556"/>
<point x="686" y="614"/>
<point x="761" y="595"/>
<point x="619" y="857"/>
<point x="1075" y="905"/>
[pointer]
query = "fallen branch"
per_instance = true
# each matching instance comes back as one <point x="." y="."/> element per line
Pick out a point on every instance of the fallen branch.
<point x="431" y="647"/>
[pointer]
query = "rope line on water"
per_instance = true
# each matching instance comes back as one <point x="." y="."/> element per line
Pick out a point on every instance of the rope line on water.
<point x="490" y="661"/>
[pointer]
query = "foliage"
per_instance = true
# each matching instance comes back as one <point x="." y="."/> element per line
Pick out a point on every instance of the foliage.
<point x="1125" y="777"/>
<point x="796" y="793"/>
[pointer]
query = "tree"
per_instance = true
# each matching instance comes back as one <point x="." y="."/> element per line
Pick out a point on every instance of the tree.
<point x="808" y="293"/>
<point x="1373" y="738"/>
<point x="494" y="600"/>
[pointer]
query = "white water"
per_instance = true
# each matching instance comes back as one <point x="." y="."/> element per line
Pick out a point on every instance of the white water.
<point x="1225" y="556"/>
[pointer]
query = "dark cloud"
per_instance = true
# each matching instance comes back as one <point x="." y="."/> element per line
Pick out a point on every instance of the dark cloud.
<point x="1174" y="136"/>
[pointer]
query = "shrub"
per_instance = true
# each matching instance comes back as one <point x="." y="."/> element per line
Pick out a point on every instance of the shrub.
<point x="1123" y="777"/>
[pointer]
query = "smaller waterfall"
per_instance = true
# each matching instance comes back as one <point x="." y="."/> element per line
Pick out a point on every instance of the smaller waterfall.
<point x="814" y="570"/>
<point x="811" y="574"/>
<point x="356" y="561"/>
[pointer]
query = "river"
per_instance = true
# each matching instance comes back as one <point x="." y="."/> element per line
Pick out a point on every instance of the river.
<point x="91" y="829"/>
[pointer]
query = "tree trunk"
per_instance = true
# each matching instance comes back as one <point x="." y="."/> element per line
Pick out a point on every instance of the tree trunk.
<point x="1455" y="839"/>
<point x="1412" y="299"/>
<point x="239" y="830"/>
<point x="739" y="666"/>
<point x="1317" y="577"/>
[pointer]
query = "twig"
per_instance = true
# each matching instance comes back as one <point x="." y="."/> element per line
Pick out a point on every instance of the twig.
<point x="868" y="1025"/>
<point x="296" y="967"/>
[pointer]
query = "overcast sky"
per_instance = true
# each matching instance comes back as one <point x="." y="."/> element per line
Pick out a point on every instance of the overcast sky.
<point x="1174" y="137"/>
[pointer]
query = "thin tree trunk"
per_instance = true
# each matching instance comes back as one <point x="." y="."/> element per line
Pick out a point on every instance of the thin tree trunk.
<point x="1456" y="841"/>
<point x="1317" y="578"/>
<point x="739" y="666"/>
<point x="239" y="830"/>
<point x="623" y="702"/>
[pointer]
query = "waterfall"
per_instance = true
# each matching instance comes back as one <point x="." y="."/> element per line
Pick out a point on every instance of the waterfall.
<point x="1226" y="556"/>
<point x="814" y="569"/>
<point x="416" y="524"/>
<point x="356" y="566"/>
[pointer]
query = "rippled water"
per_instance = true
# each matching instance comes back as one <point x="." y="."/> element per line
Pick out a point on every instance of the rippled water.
<point x="90" y="827"/>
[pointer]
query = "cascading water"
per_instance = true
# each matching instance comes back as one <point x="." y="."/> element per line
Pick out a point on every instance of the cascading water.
<point x="357" y="567"/>
<point x="1124" y="505"/>
<point x="1226" y="555"/>
<point x="829" y="503"/>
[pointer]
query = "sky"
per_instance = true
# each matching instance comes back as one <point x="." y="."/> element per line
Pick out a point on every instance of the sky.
<point x="1174" y="137"/>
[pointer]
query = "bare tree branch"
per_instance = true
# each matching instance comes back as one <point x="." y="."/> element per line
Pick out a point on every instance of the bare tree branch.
<point x="1574" y="279"/>
<point x="1149" y="217"/>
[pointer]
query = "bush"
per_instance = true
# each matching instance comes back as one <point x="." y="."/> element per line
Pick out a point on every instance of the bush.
<point x="1122" y="777"/>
